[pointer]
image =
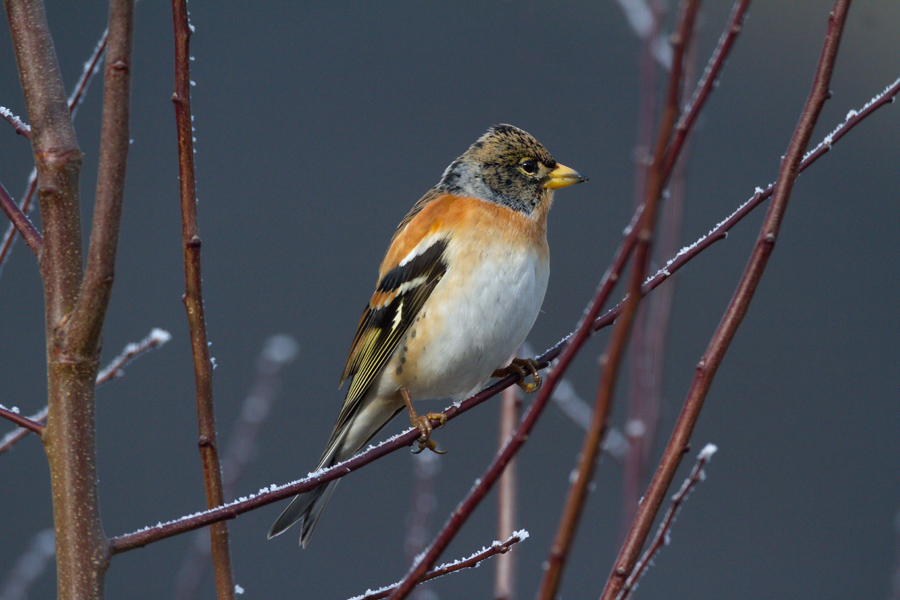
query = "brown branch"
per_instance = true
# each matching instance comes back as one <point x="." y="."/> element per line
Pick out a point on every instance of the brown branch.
<point x="193" y="302"/>
<point x="10" y="439"/>
<point x="662" y="535"/>
<point x="734" y="313"/>
<point x="24" y="422"/>
<point x="505" y="565"/>
<point x="86" y="322"/>
<point x="457" y="565"/>
<point x="707" y="82"/>
<point x="21" y="222"/>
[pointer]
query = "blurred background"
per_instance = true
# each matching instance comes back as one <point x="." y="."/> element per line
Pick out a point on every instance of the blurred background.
<point x="318" y="126"/>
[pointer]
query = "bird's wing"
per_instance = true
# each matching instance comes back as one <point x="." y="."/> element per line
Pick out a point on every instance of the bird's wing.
<point x="415" y="263"/>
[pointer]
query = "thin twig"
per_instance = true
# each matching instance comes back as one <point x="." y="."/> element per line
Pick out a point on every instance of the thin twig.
<point x="10" y="439"/>
<point x="113" y="370"/>
<point x="505" y="566"/>
<point x="457" y="565"/>
<point x="21" y="222"/>
<point x="734" y="313"/>
<point x="157" y="338"/>
<point x="662" y="534"/>
<point x="24" y="422"/>
<point x="22" y="128"/>
<point x="193" y="302"/>
<point x="275" y="493"/>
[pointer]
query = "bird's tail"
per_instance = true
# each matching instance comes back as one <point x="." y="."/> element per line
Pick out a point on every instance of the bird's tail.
<point x="346" y="440"/>
<point x="306" y="507"/>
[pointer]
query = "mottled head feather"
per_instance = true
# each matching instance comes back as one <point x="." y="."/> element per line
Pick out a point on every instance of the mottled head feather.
<point x="506" y="166"/>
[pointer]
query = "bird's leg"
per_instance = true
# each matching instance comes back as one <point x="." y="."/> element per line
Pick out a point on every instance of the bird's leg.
<point x="423" y="424"/>
<point x="523" y="367"/>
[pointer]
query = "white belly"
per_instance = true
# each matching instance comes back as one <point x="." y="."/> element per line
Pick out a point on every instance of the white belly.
<point x="475" y="320"/>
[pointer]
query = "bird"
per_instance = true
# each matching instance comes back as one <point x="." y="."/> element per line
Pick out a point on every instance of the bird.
<point x="458" y="291"/>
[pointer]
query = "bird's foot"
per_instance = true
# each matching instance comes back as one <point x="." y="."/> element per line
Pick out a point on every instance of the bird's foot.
<point x="523" y="367"/>
<point x="423" y="424"/>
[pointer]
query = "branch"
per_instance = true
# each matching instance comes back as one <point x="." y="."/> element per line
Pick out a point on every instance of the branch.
<point x="14" y="416"/>
<point x="505" y="566"/>
<point x="734" y="313"/>
<point x="69" y="438"/>
<point x="86" y="322"/>
<point x="21" y="222"/>
<point x="23" y="129"/>
<point x="113" y="370"/>
<point x="193" y="302"/>
<point x="457" y="565"/>
<point x="662" y="535"/>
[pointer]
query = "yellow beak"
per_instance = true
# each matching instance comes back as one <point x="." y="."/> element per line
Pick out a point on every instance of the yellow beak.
<point x="562" y="176"/>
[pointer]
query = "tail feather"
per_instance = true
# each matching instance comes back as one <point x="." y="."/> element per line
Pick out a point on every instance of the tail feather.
<point x="345" y="441"/>
<point x="305" y="508"/>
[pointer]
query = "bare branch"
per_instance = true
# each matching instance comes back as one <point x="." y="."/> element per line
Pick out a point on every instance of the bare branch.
<point x="14" y="416"/>
<point x="87" y="318"/>
<point x="457" y="565"/>
<point x="21" y="222"/>
<point x="22" y="128"/>
<point x="662" y="535"/>
<point x="193" y="302"/>
<point x="113" y="370"/>
<point x="505" y="566"/>
<point x="735" y="311"/>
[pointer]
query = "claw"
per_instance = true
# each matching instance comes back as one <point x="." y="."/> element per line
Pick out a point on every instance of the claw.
<point x="423" y="424"/>
<point x="430" y="445"/>
<point x="523" y="367"/>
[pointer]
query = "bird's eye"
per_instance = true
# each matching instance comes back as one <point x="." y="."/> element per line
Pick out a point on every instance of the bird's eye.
<point x="529" y="166"/>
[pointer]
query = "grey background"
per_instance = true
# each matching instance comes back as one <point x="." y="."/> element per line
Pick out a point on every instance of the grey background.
<point x="318" y="126"/>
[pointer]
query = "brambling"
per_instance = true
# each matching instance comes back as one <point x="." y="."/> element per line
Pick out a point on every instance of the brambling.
<point x="458" y="291"/>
